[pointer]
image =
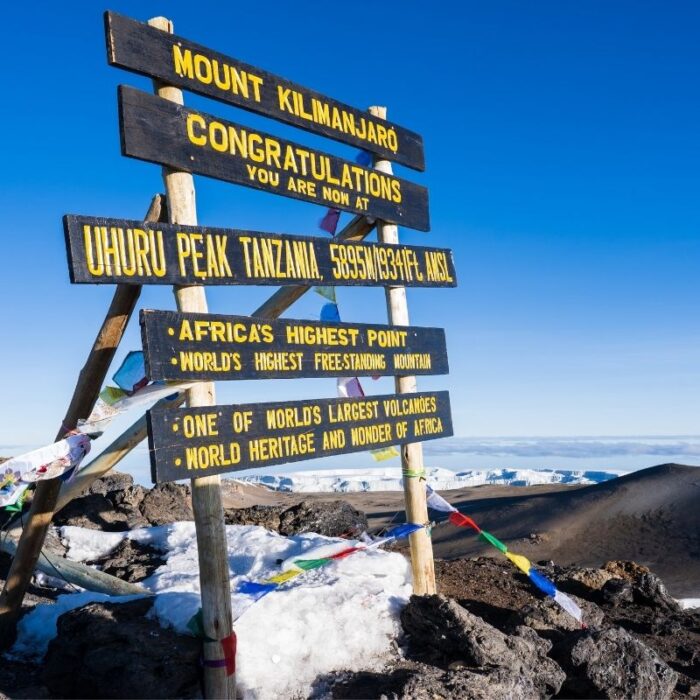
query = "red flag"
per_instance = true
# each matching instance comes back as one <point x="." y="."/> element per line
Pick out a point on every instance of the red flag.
<point x="463" y="521"/>
<point x="228" y="644"/>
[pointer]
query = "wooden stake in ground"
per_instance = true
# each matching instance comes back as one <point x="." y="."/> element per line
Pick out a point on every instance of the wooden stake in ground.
<point x="411" y="454"/>
<point x="206" y="491"/>
<point x="86" y="391"/>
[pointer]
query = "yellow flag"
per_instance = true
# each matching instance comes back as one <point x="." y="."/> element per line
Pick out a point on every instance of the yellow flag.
<point x="284" y="576"/>
<point x="384" y="453"/>
<point x="523" y="563"/>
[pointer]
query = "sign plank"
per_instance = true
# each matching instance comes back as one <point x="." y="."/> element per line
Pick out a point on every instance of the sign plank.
<point x="218" y="439"/>
<point x="160" y="131"/>
<point x="176" y="61"/>
<point x="119" y="251"/>
<point x="189" y="346"/>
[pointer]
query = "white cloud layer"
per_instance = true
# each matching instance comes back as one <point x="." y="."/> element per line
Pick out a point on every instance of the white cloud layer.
<point x="583" y="448"/>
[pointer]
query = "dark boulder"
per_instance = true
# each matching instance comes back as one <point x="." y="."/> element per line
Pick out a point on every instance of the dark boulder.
<point x="329" y="518"/>
<point x="437" y="623"/>
<point x="617" y="591"/>
<point x="613" y="664"/>
<point x="131" y="561"/>
<point x="94" y="511"/>
<point x="650" y="590"/>
<point x="431" y="683"/>
<point x="551" y="621"/>
<point x="114" y="503"/>
<point x="113" y="481"/>
<point x="262" y="516"/>
<point x="111" y="650"/>
<point x="167" y="503"/>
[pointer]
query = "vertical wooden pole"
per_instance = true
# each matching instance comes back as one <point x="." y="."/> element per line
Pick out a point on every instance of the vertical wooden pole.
<point x="208" y="509"/>
<point x="86" y="391"/>
<point x="411" y="454"/>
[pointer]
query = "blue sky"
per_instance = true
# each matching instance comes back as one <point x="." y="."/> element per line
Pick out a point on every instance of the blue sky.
<point x="562" y="144"/>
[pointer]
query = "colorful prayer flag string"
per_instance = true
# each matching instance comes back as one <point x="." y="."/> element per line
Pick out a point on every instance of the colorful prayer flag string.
<point x="59" y="459"/>
<point x="350" y="387"/>
<point x="540" y="581"/>
<point x="309" y="561"/>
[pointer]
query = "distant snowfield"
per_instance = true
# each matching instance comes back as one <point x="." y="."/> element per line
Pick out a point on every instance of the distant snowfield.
<point x="340" y="617"/>
<point x="389" y="479"/>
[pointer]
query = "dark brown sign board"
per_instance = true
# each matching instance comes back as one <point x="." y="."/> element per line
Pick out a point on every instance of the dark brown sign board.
<point x="119" y="251"/>
<point x="193" y="442"/>
<point x="163" y="132"/>
<point x="176" y="61"/>
<point x="194" y="346"/>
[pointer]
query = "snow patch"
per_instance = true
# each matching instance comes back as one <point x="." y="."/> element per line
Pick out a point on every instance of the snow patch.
<point x="343" y="616"/>
<point x="389" y="479"/>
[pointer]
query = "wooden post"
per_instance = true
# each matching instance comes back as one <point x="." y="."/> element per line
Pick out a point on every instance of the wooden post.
<point x="411" y="454"/>
<point x="86" y="391"/>
<point x="206" y="491"/>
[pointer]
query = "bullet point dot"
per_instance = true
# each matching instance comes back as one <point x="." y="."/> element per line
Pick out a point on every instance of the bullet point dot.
<point x="171" y="331"/>
<point x="173" y="361"/>
<point x="178" y="462"/>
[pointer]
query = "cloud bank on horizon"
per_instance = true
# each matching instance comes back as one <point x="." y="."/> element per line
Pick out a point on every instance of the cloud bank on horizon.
<point x="583" y="448"/>
<point x="541" y="446"/>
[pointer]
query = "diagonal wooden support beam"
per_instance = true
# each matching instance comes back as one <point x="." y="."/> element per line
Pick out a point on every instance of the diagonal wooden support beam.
<point x="79" y="574"/>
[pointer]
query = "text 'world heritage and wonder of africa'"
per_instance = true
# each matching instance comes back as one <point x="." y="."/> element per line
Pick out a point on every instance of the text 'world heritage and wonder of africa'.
<point x="197" y="441"/>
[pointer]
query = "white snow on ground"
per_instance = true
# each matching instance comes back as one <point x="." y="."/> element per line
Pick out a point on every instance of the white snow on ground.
<point x="343" y="616"/>
<point x="689" y="603"/>
<point x="389" y="479"/>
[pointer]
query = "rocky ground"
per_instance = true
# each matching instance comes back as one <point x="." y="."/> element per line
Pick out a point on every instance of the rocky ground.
<point x="489" y="634"/>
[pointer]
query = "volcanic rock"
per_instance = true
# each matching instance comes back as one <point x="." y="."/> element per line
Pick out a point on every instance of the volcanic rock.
<point x="629" y="570"/>
<point x="617" y="591"/>
<point x="329" y="518"/>
<point x="650" y="590"/>
<point x="112" y="481"/>
<point x="262" y="516"/>
<point x="549" y="620"/>
<point x="111" y="650"/>
<point x="437" y="623"/>
<point x="114" y="503"/>
<point x="167" y="503"/>
<point x="430" y="683"/>
<point x="611" y="663"/>
<point x="131" y="561"/>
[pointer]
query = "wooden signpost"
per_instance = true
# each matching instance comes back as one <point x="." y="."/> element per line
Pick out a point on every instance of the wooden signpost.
<point x="223" y="439"/>
<point x="184" y="64"/>
<point x="185" y="347"/>
<point x="163" y="132"/>
<point x="205" y="440"/>
<point x="109" y="251"/>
